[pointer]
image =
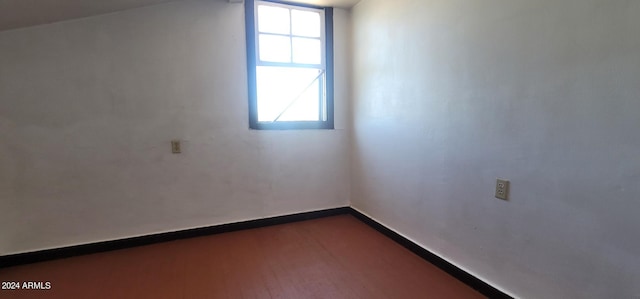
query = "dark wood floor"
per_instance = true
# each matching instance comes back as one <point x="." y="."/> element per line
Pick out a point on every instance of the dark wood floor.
<point x="333" y="257"/>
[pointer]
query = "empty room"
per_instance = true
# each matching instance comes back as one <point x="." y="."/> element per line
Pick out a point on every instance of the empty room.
<point x="320" y="149"/>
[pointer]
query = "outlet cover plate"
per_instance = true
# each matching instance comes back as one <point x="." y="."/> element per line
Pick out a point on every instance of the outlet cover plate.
<point x="175" y="147"/>
<point x="502" y="189"/>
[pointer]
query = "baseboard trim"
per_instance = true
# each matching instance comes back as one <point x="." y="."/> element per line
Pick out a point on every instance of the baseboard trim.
<point x="470" y="280"/>
<point x="84" y="249"/>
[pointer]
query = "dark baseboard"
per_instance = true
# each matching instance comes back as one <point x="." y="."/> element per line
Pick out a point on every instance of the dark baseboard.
<point x="71" y="251"/>
<point x="65" y="252"/>
<point x="470" y="280"/>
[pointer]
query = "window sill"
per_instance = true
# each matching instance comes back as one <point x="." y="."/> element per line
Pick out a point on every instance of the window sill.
<point x="294" y="125"/>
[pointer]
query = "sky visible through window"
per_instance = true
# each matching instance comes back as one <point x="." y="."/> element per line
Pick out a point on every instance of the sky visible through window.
<point x="290" y="72"/>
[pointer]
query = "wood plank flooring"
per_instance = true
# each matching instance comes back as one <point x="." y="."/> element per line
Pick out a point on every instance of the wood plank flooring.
<point x="333" y="257"/>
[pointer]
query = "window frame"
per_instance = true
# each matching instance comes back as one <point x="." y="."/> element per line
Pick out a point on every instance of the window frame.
<point x="252" y="63"/>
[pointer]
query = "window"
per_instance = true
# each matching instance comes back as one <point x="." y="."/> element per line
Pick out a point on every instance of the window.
<point x="290" y="65"/>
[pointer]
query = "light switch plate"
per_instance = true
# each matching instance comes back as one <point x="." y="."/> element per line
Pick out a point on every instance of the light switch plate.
<point x="502" y="189"/>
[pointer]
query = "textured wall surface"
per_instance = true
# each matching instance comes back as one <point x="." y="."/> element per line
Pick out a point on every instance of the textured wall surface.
<point x="88" y="109"/>
<point x="450" y="95"/>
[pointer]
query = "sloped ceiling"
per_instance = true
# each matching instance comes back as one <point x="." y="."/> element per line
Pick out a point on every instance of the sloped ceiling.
<point x="23" y="13"/>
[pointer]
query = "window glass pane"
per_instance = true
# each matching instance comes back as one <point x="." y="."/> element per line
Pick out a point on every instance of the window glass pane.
<point x="306" y="108"/>
<point x="292" y="94"/>
<point x="273" y="19"/>
<point x="306" y="23"/>
<point x="307" y="50"/>
<point x="274" y="48"/>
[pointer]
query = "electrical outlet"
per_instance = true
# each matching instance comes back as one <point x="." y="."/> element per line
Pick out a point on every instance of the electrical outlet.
<point x="502" y="189"/>
<point x="175" y="146"/>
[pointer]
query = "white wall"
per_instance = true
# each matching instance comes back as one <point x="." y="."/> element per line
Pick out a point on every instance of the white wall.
<point x="451" y="94"/>
<point x="88" y="108"/>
